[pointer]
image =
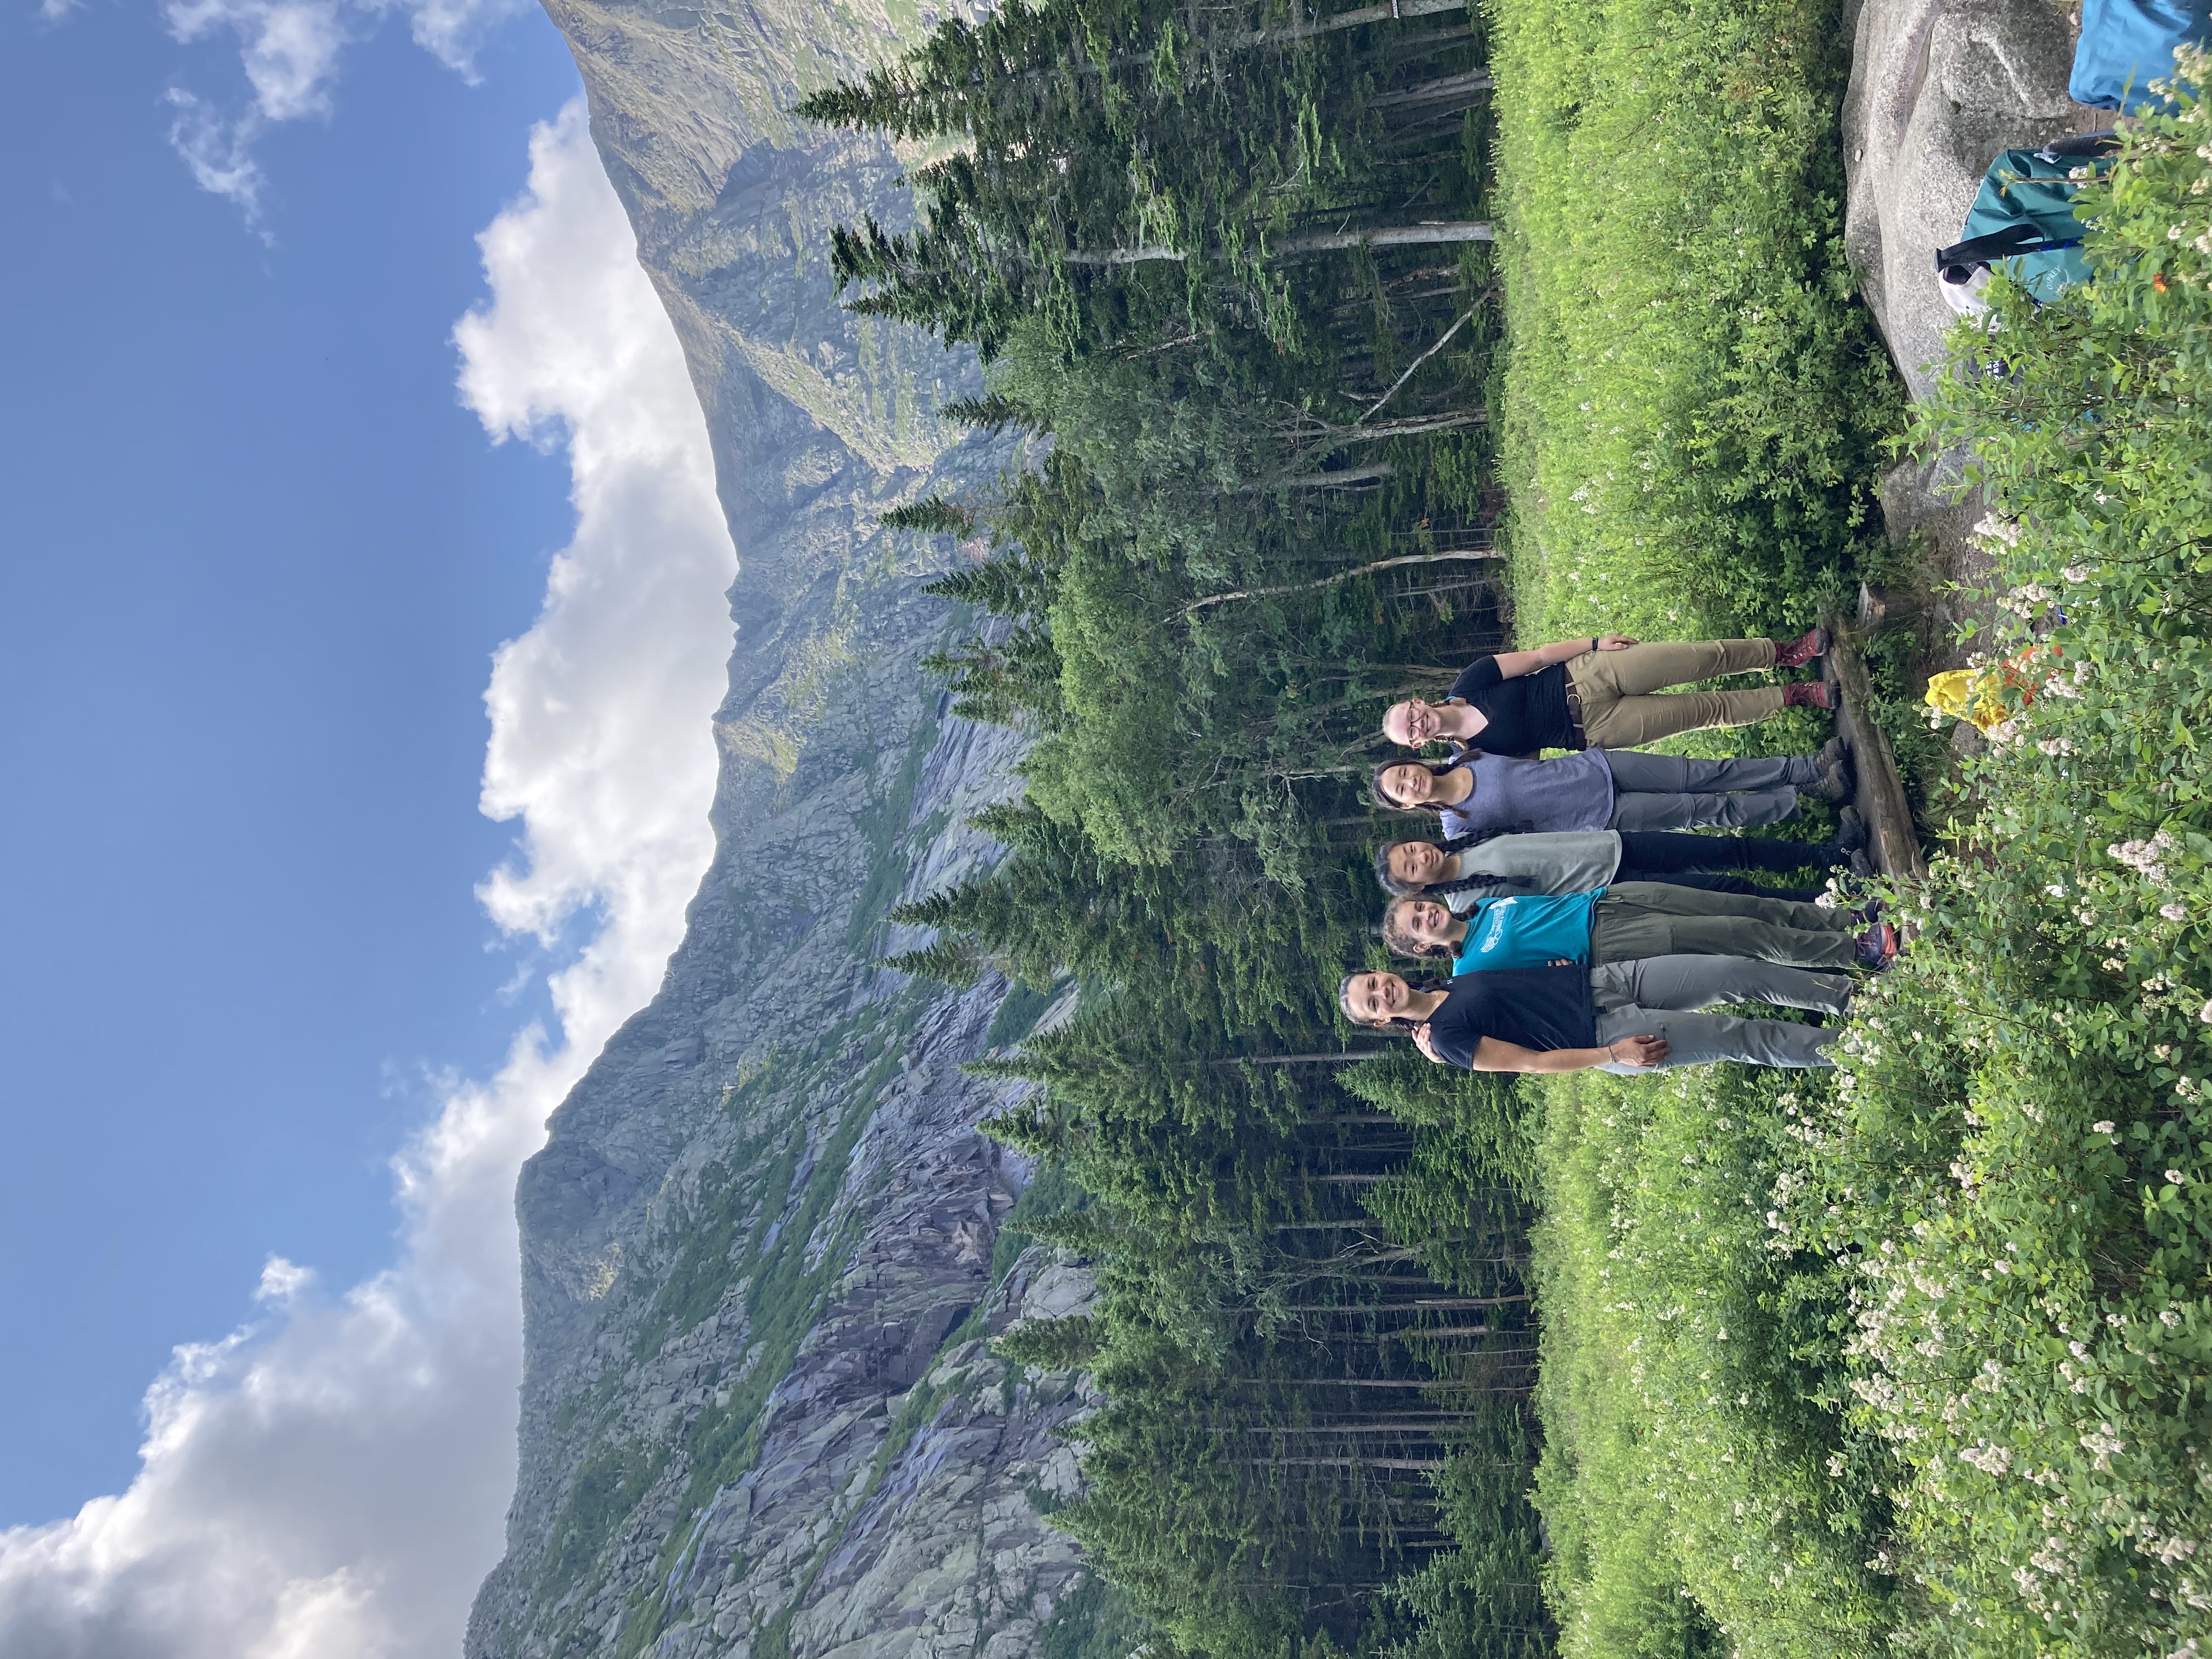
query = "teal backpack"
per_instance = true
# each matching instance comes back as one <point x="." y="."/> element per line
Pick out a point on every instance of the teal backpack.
<point x="2022" y="221"/>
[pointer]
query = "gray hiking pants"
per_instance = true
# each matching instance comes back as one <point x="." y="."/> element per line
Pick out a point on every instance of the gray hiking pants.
<point x="1660" y="996"/>
<point x="1638" y="919"/>
<point x="1671" y="791"/>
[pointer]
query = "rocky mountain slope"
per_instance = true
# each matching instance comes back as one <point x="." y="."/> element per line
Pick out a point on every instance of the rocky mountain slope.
<point x="763" y="1243"/>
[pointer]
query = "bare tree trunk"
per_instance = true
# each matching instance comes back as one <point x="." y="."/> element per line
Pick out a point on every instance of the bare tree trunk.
<point x="1345" y="20"/>
<point x="1350" y="475"/>
<point x="1422" y="1465"/>
<point x="1437" y="91"/>
<point x="1464" y="318"/>
<point x="1327" y="581"/>
<point x="1333" y="1057"/>
<point x="1425" y="234"/>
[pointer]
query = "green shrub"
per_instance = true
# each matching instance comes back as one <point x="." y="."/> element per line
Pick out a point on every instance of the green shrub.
<point x="1690" y="1379"/>
<point x="1693" y="401"/>
<point x="2013" y="1169"/>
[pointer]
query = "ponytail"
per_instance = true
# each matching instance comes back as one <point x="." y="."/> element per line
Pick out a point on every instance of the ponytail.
<point x="1402" y="943"/>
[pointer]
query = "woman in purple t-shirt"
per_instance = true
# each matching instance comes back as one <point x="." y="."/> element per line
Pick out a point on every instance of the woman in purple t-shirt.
<point x="1602" y="789"/>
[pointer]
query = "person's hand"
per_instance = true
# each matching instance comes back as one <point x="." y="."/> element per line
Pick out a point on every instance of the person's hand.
<point x="1423" y="1042"/>
<point x="1645" y="1051"/>
<point x="1615" y="642"/>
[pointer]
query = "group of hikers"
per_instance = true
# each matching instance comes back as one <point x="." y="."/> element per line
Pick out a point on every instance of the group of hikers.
<point x="1583" y="924"/>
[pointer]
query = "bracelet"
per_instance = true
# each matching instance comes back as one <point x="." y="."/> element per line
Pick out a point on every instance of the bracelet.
<point x="1592" y="642"/>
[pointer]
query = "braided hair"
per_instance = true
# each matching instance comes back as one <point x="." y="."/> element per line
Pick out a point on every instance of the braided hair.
<point x="1403" y="944"/>
<point x="1416" y="982"/>
<point x="1480" y="886"/>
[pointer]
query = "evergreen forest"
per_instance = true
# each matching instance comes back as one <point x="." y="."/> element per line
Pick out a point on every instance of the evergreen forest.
<point x="1334" y="348"/>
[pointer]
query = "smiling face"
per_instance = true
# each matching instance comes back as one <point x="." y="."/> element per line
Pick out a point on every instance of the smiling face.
<point x="1425" y="922"/>
<point x="1417" y="863"/>
<point x="1407" y="784"/>
<point x="1375" y="999"/>
<point x="1411" y="723"/>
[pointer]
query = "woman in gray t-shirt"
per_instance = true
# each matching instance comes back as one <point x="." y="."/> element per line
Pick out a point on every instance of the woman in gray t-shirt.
<point x="1468" y="868"/>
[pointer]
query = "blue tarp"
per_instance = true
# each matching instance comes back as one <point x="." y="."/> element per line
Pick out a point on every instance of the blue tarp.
<point x="2127" y="43"/>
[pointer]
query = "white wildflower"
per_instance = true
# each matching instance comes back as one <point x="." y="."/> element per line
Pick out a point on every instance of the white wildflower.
<point x="2174" y="912"/>
<point x="2103" y="1445"/>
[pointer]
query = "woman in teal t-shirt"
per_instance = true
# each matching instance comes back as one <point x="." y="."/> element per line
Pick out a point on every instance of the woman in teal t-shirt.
<point x="1631" y="922"/>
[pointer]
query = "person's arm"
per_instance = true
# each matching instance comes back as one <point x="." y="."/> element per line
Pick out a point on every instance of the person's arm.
<point x="1492" y="1055"/>
<point x="1512" y="664"/>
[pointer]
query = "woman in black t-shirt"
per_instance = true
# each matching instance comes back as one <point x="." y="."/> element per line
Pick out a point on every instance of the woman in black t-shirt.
<point x="1597" y="693"/>
<point x="1630" y="1018"/>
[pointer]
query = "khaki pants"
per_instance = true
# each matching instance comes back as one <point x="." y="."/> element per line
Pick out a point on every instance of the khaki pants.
<point x="1639" y="919"/>
<point x="1615" y="687"/>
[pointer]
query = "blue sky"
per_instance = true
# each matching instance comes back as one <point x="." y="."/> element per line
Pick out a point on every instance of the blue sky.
<point x="362" y="619"/>
<point x="362" y="586"/>
<point x="256" y="556"/>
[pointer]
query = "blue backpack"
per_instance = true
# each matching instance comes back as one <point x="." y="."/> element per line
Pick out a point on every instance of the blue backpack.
<point x="2022" y="221"/>
<point x="2127" y="43"/>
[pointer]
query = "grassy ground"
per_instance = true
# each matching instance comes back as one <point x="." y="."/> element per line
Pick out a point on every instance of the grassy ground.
<point x="1693" y="407"/>
<point x="1693" y="403"/>
<point x="1913" y="1357"/>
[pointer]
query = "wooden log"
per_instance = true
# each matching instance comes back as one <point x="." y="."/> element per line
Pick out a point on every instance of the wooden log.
<point x="1893" y="843"/>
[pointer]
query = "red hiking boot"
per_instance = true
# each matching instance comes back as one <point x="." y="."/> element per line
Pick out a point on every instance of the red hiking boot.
<point x="1795" y="653"/>
<point x="1807" y="693"/>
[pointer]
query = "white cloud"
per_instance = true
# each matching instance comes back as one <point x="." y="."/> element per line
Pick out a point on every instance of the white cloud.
<point x="328" y="1482"/>
<point x="290" y="51"/>
<point x="289" y="47"/>
<point x="220" y="153"/>
<point x="451" y="31"/>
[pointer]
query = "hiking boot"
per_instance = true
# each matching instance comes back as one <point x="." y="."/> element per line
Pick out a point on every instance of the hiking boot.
<point x="1807" y="693"/>
<point x="1833" y="780"/>
<point x="1795" y="653"/>
<point x="1861" y="865"/>
<point x="1878" y="946"/>
<point x="1851" y="830"/>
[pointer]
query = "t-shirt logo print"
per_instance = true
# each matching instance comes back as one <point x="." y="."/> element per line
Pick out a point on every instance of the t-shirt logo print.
<point x="1494" y="935"/>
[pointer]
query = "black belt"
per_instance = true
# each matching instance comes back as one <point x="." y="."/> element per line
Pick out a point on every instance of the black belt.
<point x="1575" y="714"/>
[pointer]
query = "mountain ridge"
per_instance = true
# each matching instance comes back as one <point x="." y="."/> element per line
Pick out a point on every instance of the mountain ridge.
<point x="763" y="1243"/>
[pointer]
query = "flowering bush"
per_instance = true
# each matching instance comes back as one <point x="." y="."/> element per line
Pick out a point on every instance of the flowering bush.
<point x="2013" y="1169"/>
<point x="1697" y="1479"/>
<point x="1917" y="1358"/>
